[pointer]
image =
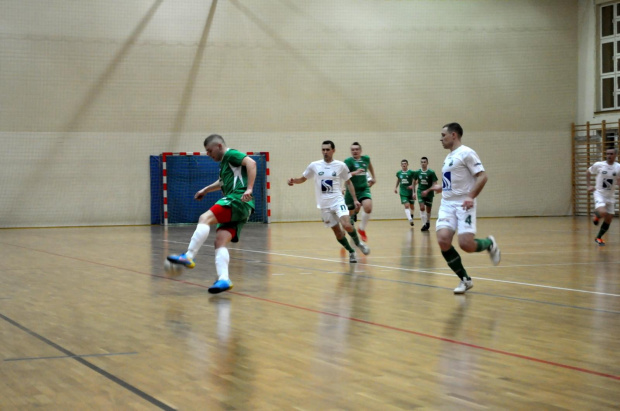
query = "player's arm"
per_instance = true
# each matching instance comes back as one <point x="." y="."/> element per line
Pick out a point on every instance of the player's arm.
<point x="211" y="187"/>
<point x="300" y="180"/>
<point x="588" y="178"/>
<point x="250" y="166"/>
<point x="351" y="189"/>
<point x="372" y="180"/>
<point x="397" y="183"/>
<point x="481" y="180"/>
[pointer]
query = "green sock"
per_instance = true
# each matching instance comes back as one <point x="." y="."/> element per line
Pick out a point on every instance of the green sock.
<point x="483" y="244"/>
<point x="454" y="262"/>
<point x="345" y="244"/>
<point x="603" y="230"/>
<point x="354" y="236"/>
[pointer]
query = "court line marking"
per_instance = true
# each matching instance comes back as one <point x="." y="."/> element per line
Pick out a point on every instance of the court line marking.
<point x="417" y="270"/>
<point x="385" y="326"/>
<point x="69" y="356"/>
<point x="92" y="366"/>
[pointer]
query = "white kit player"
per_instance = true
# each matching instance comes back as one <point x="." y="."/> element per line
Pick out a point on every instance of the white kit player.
<point x="607" y="179"/>
<point x="330" y="176"/>
<point x="463" y="180"/>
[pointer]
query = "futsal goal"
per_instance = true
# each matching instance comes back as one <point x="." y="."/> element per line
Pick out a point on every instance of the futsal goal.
<point x="176" y="177"/>
<point x="590" y="141"/>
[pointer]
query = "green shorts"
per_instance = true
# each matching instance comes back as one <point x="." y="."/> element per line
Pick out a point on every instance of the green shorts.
<point x="407" y="199"/>
<point x="362" y="194"/>
<point x="241" y="212"/>
<point x="428" y="200"/>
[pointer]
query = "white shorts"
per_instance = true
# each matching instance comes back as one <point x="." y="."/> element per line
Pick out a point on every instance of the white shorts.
<point x="331" y="216"/>
<point x="452" y="215"/>
<point x="602" y="201"/>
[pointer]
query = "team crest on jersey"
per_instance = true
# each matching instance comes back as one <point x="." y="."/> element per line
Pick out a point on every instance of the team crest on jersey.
<point x="447" y="181"/>
<point x="321" y="173"/>
<point x="333" y="174"/>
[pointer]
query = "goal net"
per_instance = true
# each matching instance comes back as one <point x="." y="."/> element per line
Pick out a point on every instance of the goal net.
<point x="176" y="177"/>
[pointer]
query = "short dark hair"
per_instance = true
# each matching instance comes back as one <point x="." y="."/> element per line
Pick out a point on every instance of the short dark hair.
<point x="331" y="143"/>
<point x="454" y="128"/>
<point x="355" y="143"/>
<point x="214" y="138"/>
<point x="424" y="158"/>
<point x="404" y="160"/>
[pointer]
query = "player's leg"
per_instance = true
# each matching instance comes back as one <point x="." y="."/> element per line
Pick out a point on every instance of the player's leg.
<point x="349" y="228"/>
<point x="467" y="240"/>
<point x="405" y="202"/>
<point x="427" y="213"/>
<point x="367" y="207"/>
<point x="223" y="236"/>
<point x="342" y="238"/>
<point x="447" y="224"/>
<point x="605" y="213"/>
<point x="200" y="235"/>
<point x="422" y="212"/>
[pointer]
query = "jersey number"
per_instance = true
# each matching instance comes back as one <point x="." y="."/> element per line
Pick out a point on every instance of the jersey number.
<point x="468" y="220"/>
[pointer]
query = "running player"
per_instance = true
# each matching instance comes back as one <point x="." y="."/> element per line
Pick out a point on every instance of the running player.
<point x="425" y="178"/>
<point x="406" y="178"/>
<point x="329" y="176"/>
<point x="607" y="178"/>
<point x="359" y="165"/>
<point x="230" y="213"/>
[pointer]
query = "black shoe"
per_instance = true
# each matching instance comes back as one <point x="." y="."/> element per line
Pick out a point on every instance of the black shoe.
<point x="426" y="227"/>
<point x="411" y="222"/>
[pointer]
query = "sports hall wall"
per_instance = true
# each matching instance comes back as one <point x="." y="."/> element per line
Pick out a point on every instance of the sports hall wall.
<point x="90" y="89"/>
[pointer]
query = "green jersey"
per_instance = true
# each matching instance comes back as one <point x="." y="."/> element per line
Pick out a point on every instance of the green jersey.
<point x="360" y="182"/>
<point x="406" y="179"/>
<point x="234" y="176"/>
<point x="425" y="179"/>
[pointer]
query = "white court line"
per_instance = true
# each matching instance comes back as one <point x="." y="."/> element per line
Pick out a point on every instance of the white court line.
<point x="422" y="271"/>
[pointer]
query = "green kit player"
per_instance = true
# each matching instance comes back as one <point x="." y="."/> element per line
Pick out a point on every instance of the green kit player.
<point x="425" y="178"/>
<point x="230" y="213"/>
<point x="359" y="166"/>
<point x="405" y="186"/>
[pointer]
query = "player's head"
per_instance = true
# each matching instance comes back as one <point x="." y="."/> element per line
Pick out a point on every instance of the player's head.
<point x="328" y="148"/>
<point x="610" y="155"/>
<point x="451" y="134"/>
<point x="424" y="163"/>
<point x="215" y="146"/>
<point x="356" y="150"/>
<point x="404" y="164"/>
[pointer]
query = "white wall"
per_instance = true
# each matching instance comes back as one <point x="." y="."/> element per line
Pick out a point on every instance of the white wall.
<point x="88" y="90"/>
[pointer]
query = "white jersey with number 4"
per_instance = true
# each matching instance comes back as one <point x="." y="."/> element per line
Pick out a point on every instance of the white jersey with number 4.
<point x="459" y="170"/>
<point x="329" y="180"/>
<point x="606" y="177"/>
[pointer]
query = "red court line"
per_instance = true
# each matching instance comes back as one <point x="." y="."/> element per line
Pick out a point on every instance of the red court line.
<point x="384" y="326"/>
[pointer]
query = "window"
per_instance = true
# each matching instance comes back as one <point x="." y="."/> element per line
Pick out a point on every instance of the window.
<point x="609" y="52"/>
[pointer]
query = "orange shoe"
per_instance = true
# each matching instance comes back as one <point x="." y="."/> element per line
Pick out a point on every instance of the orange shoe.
<point x="599" y="241"/>
<point x="362" y="234"/>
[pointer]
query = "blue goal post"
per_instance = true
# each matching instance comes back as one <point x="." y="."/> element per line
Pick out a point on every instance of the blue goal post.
<point x="176" y="177"/>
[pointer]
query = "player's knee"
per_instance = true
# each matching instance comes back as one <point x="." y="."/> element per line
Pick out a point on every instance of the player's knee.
<point x="468" y="245"/>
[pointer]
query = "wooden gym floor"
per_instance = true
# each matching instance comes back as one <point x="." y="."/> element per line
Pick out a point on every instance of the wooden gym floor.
<point x="88" y="320"/>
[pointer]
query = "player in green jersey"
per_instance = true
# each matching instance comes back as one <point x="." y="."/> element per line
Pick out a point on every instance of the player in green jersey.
<point x="230" y="213"/>
<point x="425" y="179"/>
<point x="359" y="165"/>
<point x="406" y="179"/>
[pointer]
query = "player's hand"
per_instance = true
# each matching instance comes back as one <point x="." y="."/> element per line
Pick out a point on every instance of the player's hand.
<point x="358" y="205"/>
<point x="371" y="182"/>
<point x="425" y="193"/>
<point x="414" y="196"/>
<point x="247" y="196"/>
<point x="290" y="182"/>
<point x="395" y="191"/>
<point x="199" y="195"/>
<point x="468" y="203"/>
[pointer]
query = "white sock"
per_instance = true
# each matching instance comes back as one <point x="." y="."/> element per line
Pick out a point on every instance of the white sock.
<point x="199" y="237"/>
<point x="365" y="218"/>
<point x="221" y="263"/>
<point x="408" y="214"/>
<point x="423" y="216"/>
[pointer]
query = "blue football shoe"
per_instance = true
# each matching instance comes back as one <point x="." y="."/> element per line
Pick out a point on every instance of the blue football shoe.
<point x="182" y="260"/>
<point x="220" y="286"/>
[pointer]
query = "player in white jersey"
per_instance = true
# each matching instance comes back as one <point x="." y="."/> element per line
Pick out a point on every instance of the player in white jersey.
<point x="330" y="176"/>
<point x="463" y="180"/>
<point x="607" y="179"/>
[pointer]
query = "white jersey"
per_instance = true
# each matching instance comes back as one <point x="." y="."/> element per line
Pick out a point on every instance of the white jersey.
<point x="606" y="177"/>
<point x="329" y="181"/>
<point x="459" y="170"/>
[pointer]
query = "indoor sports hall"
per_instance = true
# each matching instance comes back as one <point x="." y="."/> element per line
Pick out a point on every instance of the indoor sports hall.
<point x="104" y="108"/>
